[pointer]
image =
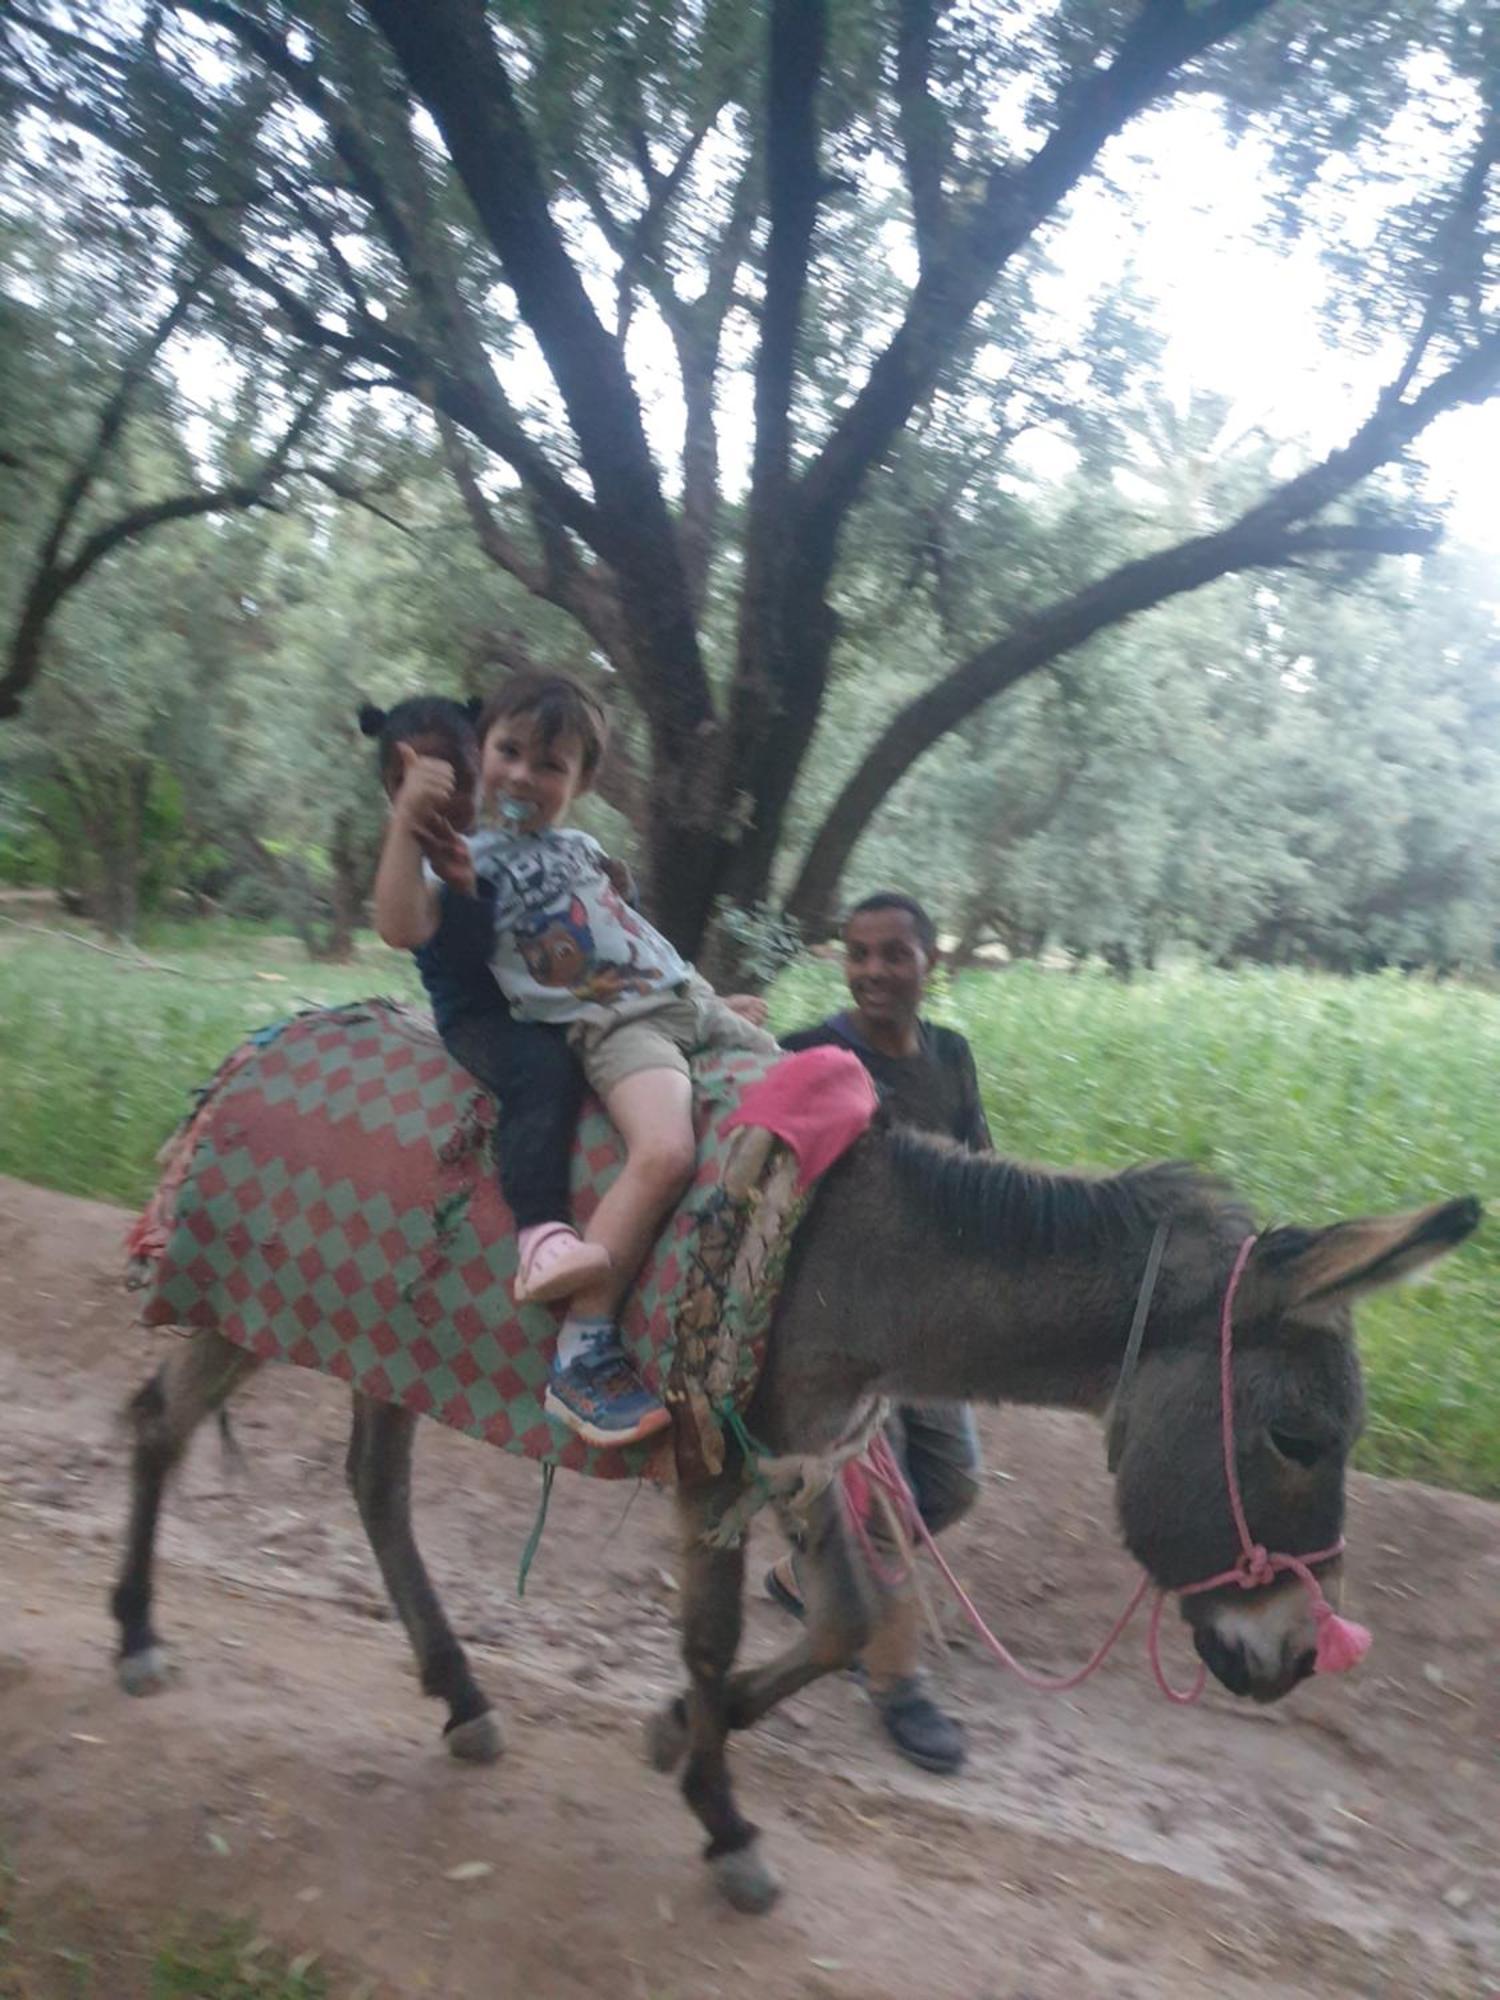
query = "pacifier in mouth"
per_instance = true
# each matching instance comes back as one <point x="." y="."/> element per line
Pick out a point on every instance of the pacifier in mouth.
<point x="514" y="811"/>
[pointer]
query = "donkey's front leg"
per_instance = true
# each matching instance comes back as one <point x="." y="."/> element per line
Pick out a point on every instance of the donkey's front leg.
<point x="379" y="1467"/>
<point x="838" y="1596"/>
<point x="712" y="1589"/>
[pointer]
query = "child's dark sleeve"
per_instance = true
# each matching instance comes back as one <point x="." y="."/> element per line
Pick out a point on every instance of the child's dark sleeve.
<point x="465" y="934"/>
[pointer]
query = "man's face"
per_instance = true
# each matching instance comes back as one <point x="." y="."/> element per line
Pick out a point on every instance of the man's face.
<point x="885" y="965"/>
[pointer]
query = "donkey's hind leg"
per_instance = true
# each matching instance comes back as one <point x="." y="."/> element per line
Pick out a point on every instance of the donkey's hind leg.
<point x="197" y="1379"/>
<point x="379" y="1467"/>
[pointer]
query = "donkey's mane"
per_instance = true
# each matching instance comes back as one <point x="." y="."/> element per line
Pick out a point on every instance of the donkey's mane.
<point x="983" y="1201"/>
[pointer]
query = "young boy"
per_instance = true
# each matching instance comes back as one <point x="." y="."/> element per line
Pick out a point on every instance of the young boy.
<point x="925" y="1075"/>
<point x="527" y="1066"/>
<point x="568" y="950"/>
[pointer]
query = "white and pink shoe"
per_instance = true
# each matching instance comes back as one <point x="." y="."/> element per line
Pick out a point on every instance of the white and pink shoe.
<point x="555" y="1263"/>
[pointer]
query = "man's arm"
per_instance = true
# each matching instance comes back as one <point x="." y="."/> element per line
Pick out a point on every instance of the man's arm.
<point x="972" y="1127"/>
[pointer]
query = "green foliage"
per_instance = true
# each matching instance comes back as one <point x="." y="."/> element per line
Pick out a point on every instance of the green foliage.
<point x="235" y="1964"/>
<point x="764" y="942"/>
<point x="98" y="1056"/>
<point x="1262" y="769"/>
<point x="1318" y="1097"/>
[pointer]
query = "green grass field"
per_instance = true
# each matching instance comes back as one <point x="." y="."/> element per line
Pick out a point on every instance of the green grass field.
<point x="1318" y="1097"/>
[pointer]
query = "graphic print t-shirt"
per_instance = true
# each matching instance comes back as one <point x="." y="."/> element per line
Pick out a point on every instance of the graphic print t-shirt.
<point x="567" y="946"/>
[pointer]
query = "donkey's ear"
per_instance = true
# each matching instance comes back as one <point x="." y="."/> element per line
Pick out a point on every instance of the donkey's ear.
<point x="1306" y="1266"/>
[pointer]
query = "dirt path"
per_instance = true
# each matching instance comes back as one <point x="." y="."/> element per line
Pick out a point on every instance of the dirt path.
<point x="1343" y="1844"/>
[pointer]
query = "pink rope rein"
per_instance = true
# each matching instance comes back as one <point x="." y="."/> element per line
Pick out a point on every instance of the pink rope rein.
<point x="1341" y="1643"/>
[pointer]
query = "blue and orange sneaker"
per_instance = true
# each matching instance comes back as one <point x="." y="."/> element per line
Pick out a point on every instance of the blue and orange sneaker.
<point x="601" y="1397"/>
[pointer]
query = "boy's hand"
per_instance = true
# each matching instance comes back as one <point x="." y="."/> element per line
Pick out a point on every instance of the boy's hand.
<point x="448" y="854"/>
<point x="426" y="787"/>
<point x="750" y="1007"/>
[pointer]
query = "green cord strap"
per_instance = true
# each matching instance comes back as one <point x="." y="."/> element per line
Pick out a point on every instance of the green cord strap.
<point x="753" y="1449"/>
<point x="534" y="1539"/>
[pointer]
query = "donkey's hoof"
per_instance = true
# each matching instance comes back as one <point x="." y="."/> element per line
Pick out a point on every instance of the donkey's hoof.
<point x="666" y="1738"/>
<point x="145" y="1672"/>
<point x="746" y="1881"/>
<point x="477" y="1741"/>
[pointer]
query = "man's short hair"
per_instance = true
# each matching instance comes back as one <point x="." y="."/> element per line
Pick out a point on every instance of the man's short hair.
<point x="892" y="899"/>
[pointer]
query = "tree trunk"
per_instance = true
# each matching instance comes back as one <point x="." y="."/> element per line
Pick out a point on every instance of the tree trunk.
<point x="975" y="918"/>
<point x="115" y="905"/>
<point x="346" y="895"/>
<point x="113" y="823"/>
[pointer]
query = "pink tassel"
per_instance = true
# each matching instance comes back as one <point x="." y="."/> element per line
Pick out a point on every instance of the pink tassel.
<point x="1341" y="1643"/>
<point x="857" y="1491"/>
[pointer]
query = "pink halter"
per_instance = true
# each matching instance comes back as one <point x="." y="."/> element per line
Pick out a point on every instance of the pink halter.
<point x="1341" y="1643"/>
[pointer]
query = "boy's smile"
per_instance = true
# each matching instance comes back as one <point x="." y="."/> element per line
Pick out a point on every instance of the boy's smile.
<point x="536" y="778"/>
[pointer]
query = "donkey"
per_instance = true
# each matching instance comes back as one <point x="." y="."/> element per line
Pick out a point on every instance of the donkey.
<point x="925" y="1272"/>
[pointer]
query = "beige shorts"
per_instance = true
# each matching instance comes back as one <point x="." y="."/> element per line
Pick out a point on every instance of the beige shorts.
<point x="686" y="1021"/>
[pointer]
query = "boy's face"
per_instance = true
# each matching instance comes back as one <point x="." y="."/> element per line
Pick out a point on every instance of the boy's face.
<point x="463" y="762"/>
<point x="519" y="768"/>
<point x="885" y="965"/>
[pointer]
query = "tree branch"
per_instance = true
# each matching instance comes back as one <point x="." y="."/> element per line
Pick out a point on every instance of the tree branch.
<point x="798" y="35"/>
<point x="501" y="548"/>
<point x="111" y="422"/>
<point x="698" y="335"/>
<point x="465" y="385"/>
<point x="1454" y="237"/>
<point x="54" y="579"/>
<point x="697" y="329"/>
<point x="1134" y="587"/>
<point x="354" y="493"/>
<point x="462" y="389"/>
<point x="1091" y="110"/>
<point x="923" y="128"/>
<point x="450" y="59"/>
<point x="478" y="408"/>
<point x="559" y="577"/>
<point x="637" y="242"/>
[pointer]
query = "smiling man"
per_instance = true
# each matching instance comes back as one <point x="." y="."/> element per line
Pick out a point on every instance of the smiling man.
<point x="925" y="1075"/>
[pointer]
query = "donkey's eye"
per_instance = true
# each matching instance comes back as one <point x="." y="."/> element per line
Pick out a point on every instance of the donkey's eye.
<point x="1300" y="1450"/>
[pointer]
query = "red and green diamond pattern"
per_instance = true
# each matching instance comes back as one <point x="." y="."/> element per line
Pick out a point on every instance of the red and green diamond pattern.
<point x="340" y="1211"/>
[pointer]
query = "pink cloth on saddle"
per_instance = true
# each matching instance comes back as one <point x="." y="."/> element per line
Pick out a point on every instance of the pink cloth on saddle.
<point x="818" y="1102"/>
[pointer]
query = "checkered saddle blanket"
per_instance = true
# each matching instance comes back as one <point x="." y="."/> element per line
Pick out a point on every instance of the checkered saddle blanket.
<point x="331" y="1201"/>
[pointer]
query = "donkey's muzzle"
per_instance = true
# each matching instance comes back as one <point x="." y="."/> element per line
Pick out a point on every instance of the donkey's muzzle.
<point x="1244" y="1671"/>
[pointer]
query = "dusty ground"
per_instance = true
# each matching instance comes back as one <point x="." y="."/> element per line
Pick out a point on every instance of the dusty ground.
<point x="1101" y="1844"/>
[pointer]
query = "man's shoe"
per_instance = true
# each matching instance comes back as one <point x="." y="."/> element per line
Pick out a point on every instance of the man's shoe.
<point x="920" y="1730"/>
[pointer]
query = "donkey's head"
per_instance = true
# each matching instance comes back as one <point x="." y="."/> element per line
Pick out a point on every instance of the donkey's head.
<point x="1297" y="1406"/>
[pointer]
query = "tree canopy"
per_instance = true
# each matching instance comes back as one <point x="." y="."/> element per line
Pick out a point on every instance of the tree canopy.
<point x="727" y="327"/>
